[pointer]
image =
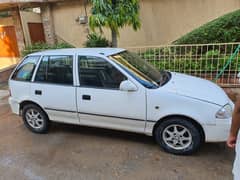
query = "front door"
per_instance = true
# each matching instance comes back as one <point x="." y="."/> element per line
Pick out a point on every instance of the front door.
<point x="101" y="103"/>
<point x="54" y="90"/>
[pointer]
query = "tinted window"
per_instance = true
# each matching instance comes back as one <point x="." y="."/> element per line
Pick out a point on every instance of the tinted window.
<point x="56" y="70"/>
<point x="25" y="70"/>
<point x="97" y="72"/>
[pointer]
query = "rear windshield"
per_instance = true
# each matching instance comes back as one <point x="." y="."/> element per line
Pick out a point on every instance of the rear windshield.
<point x="25" y="70"/>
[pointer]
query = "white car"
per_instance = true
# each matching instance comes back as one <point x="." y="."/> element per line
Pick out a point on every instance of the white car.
<point x="113" y="88"/>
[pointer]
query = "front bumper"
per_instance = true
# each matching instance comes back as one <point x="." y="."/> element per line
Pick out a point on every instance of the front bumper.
<point x="14" y="105"/>
<point x="218" y="132"/>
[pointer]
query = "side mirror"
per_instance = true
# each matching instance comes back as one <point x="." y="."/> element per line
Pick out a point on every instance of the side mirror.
<point x="128" y="86"/>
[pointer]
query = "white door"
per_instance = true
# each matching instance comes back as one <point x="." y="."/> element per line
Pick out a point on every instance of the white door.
<point x="101" y="103"/>
<point x="53" y="88"/>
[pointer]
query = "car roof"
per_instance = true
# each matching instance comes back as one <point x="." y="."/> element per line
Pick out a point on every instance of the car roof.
<point x="85" y="51"/>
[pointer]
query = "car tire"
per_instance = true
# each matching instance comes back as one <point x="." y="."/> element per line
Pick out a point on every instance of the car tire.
<point x="35" y="119"/>
<point x="178" y="136"/>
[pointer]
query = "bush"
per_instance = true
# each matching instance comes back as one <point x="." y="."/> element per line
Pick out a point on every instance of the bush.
<point x="96" y="40"/>
<point x="43" y="46"/>
<point x="223" y="29"/>
<point x="188" y="65"/>
<point x="169" y="59"/>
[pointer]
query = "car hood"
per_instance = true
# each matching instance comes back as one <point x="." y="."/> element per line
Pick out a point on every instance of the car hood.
<point x="196" y="88"/>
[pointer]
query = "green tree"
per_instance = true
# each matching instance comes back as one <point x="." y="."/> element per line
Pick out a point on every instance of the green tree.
<point x="114" y="14"/>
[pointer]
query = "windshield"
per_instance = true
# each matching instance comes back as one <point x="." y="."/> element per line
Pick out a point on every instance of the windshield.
<point x="142" y="71"/>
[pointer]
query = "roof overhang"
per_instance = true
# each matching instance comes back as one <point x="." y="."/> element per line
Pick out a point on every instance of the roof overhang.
<point x="9" y="4"/>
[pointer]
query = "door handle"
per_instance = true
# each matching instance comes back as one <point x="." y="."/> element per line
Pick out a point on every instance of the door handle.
<point x="38" y="92"/>
<point x="86" y="97"/>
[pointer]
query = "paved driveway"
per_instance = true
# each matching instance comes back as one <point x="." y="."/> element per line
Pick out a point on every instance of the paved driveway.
<point x="3" y="93"/>
<point x="74" y="152"/>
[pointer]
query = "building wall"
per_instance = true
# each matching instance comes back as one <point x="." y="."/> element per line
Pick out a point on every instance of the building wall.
<point x="66" y="28"/>
<point x="163" y="21"/>
<point x="7" y="21"/>
<point x="29" y="17"/>
<point x="48" y="24"/>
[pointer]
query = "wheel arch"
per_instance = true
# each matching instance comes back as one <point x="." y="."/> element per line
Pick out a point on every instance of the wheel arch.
<point x="197" y="124"/>
<point x="27" y="102"/>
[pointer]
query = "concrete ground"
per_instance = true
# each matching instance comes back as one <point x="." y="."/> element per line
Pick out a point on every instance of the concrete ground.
<point x="74" y="152"/>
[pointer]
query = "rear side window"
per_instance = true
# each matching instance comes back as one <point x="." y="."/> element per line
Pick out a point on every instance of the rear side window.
<point x="25" y="70"/>
<point x="55" y="70"/>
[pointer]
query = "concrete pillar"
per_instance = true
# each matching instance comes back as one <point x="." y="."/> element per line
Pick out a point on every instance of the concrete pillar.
<point x="18" y="28"/>
<point x="47" y="20"/>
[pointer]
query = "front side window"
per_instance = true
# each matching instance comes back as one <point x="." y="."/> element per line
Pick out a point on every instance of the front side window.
<point x="25" y="70"/>
<point x="55" y="70"/>
<point x="143" y="72"/>
<point x="97" y="72"/>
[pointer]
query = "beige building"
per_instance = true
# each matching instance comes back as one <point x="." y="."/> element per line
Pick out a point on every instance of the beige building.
<point x="163" y="21"/>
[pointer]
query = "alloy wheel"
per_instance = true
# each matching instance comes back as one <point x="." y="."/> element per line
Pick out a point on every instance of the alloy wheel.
<point x="177" y="136"/>
<point x="34" y="118"/>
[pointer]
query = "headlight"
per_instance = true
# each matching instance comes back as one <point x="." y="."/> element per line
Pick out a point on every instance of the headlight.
<point x="225" y="112"/>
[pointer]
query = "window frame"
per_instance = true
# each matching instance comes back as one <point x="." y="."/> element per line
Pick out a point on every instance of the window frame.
<point x="55" y="84"/>
<point x="105" y="59"/>
<point x="20" y="63"/>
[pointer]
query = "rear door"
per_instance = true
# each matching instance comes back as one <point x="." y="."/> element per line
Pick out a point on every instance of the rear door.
<point x="53" y="88"/>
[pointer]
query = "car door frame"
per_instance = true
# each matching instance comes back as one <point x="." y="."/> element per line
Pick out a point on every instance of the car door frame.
<point x="59" y="112"/>
<point x="139" y="86"/>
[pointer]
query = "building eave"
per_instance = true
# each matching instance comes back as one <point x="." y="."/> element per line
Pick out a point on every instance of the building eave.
<point x="9" y="4"/>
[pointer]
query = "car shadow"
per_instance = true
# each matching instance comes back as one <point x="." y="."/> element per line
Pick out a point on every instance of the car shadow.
<point x="103" y="133"/>
<point x="207" y="149"/>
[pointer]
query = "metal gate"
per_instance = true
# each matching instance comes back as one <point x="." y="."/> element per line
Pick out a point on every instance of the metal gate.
<point x="8" y="42"/>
